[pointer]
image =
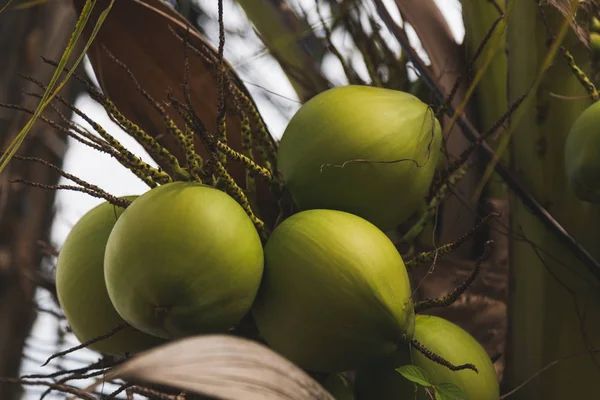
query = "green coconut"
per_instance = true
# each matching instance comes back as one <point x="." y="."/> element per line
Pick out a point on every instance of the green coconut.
<point x="447" y="340"/>
<point x="582" y="149"/>
<point x="81" y="290"/>
<point x="368" y="151"/>
<point x="183" y="259"/>
<point x="335" y="295"/>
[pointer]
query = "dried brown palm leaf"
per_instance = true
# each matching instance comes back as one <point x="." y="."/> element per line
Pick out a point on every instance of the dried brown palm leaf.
<point x="224" y="367"/>
<point x="564" y="7"/>
<point x="436" y="37"/>
<point x="447" y="66"/>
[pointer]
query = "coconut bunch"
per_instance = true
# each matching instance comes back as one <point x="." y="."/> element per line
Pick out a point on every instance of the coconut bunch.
<point x="324" y="286"/>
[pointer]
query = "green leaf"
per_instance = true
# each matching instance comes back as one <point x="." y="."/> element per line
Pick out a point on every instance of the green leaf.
<point x="415" y="374"/>
<point x="449" y="391"/>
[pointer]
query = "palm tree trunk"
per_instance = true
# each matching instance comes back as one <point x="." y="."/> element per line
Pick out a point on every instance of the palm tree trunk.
<point x="26" y="213"/>
<point x="554" y="307"/>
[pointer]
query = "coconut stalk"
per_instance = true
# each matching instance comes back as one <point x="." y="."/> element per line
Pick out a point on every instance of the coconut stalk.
<point x="483" y="28"/>
<point x="291" y="41"/>
<point x="483" y="31"/>
<point x="554" y="306"/>
<point x="479" y="17"/>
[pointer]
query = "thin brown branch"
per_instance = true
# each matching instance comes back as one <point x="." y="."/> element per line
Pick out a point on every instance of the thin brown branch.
<point x="439" y="359"/>
<point x="87" y="343"/>
<point x="461" y="289"/>
<point x="61" y="388"/>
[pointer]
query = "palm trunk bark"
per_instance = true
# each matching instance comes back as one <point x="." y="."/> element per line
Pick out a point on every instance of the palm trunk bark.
<point x="554" y="307"/>
<point x="26" y="213"/>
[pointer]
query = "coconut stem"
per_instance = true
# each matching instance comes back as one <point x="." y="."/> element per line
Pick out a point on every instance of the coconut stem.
<point x="434" y="203"/>
<point x="261" y="139"/>
<point x="253" y="168"/>
<point x="440" y="360"/>
<point x="429" y="256"/>
<point x="150" y="175"/>
<point x="84" y="186"/>
<point x="152" y="146"/>
<point x="101" y="195"/>
<point x="462" y="288"/>
<point x="108" y="334"/>
<point x="212" y="146"/>
<point x="193" y="160"/>
<point x="246" y="133"/>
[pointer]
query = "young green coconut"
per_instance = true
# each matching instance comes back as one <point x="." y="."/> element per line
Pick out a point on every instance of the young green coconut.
<point x="368" y="151"/>
<point x="183" y="259"/>
<point x="446" y="340"/>
<point x="582" y="149"/>
<point x="335" y="295"/>
<point x="81" y="290"/>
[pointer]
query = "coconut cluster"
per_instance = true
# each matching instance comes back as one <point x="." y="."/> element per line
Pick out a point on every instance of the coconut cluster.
<point x="328" y="289"/>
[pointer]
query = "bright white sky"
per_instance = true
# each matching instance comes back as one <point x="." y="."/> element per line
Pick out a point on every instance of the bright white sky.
<point x="105" y="172"/>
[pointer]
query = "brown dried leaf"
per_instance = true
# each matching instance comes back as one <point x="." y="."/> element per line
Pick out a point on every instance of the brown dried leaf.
<point x="447" y="65"/>
<point x="225" y="367"/>
<point x="138" y="33"/>
<point x="564" y="7"/>
<point x="436" y="37"/>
